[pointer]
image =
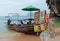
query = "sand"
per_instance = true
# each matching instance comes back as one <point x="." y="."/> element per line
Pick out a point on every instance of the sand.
<point x="16" y="36"/>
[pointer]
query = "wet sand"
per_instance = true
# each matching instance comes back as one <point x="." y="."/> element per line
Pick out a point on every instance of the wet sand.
<point x="20" y="37"/>
<point x="26" y="37"/>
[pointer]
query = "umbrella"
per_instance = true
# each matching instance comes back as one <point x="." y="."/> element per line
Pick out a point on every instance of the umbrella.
<point x="30" y="8"/>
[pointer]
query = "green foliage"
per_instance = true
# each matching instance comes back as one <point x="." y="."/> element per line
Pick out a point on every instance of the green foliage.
<point x="58" y="5"/>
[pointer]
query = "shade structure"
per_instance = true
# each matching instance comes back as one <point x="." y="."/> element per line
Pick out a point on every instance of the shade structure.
<point x="30" y="8"/>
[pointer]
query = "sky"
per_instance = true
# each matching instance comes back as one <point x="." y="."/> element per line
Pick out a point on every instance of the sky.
<point x="15" y="6"/>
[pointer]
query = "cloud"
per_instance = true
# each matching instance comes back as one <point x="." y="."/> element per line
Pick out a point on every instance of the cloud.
<point x="15" y="6"/>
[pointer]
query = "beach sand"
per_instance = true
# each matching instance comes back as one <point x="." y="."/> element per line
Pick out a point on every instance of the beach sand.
<point x="20" y="37"/>
<point x="57" y="37"/>
<point x="16" y="36"/>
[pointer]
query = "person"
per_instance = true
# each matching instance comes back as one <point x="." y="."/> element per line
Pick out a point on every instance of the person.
<point x="51" y="25"/>
<point x="9" y="21"/>
<point x="44" y="36"/>
<point x="45" y="31"/>
<point x="21" y="22"/>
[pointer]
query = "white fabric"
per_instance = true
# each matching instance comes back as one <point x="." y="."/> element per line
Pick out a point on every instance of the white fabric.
<point x="44" y="36"/>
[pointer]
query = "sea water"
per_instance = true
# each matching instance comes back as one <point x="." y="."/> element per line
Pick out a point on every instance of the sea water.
<point x="3" y="26"/>
<point x="4" y="31"/>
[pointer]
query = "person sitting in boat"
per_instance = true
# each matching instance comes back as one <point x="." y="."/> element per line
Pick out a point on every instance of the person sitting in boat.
<point x="22" y="24"/>
<point x="9" y="21"/>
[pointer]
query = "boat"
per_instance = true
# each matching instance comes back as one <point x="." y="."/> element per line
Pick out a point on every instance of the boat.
<point x="23" y="28"/>
<point x="29" y="28"/>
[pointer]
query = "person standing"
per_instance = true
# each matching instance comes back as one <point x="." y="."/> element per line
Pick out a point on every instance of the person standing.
<point x="51" y="25"/>
<point x="44" y="36"/>
<point x="9" y="21"/>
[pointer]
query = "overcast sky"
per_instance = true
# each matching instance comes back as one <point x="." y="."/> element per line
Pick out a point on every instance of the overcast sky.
<point x="15" y="6"/>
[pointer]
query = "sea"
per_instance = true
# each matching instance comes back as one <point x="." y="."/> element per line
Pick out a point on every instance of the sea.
<point x="4" y="31"/>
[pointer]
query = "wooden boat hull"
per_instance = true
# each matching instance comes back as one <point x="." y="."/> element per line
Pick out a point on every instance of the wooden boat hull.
<point x="27" y="29"/>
